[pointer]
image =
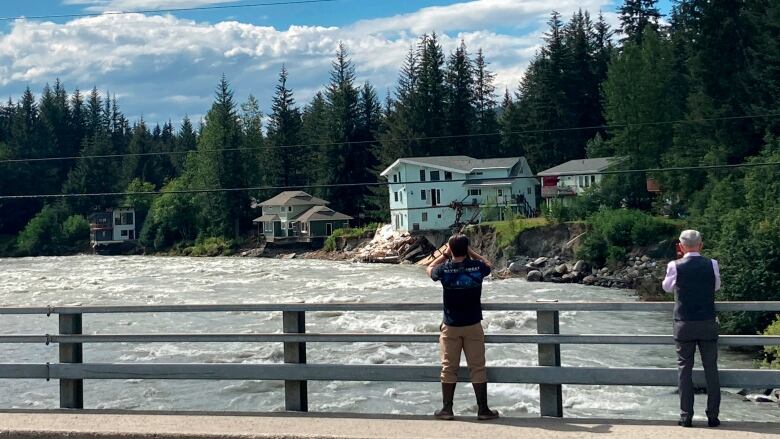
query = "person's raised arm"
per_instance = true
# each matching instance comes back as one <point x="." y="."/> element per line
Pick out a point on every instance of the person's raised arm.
<point x="476" y="256"/>
<point x="438" y="261"/>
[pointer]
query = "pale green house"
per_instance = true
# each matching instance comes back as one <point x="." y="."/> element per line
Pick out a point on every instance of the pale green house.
<point x="295" y="216"/>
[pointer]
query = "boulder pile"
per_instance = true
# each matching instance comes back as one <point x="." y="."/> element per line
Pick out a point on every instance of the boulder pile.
<point x="636" y="271"/>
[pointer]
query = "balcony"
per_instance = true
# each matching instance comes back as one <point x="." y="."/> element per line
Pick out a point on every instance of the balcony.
<point x="558" y="191"/>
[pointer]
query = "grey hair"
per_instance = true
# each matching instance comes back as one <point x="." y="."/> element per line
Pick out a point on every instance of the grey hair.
<point x="690" y="238"/>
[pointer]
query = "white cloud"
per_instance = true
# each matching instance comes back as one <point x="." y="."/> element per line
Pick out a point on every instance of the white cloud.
<point x="138" y="5"/>
<point x="170" y="66"/>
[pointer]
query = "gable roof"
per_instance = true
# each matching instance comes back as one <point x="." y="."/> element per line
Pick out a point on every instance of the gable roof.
<point x="583" y="165"/>
<point x="456" y="163"/>
<point x="321" y="213"/>
<point x="293" y="198"/>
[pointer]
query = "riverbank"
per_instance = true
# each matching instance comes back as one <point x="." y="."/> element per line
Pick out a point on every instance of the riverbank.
<point x="529" y="249"/>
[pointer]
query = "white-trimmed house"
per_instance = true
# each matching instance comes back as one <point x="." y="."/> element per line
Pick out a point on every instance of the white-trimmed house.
<point x="558" y="183"/>
<point x="295" y="216"/>
<point x="422" y="189"/>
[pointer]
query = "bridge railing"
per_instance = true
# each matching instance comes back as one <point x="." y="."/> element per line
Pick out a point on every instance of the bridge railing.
<point x="71" y="370"/>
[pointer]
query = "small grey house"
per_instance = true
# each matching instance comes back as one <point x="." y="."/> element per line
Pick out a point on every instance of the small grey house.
<point x="295" y="216"/>
<point x="567" y="180"/>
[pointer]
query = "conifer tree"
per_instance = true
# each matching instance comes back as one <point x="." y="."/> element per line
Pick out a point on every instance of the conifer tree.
<point x="343" y="161"/>
<point x="284" y="125"/>
<point x="460" y="101"/>
<point x="635" y="16"/>
<point x="486" y="118"/>
<point x="186" y="140"/>
<point x="431" y="97"/>
<point x="221" y="213"/>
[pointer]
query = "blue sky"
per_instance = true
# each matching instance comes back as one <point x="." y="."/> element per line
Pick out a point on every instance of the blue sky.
<point x="163" y="66"/>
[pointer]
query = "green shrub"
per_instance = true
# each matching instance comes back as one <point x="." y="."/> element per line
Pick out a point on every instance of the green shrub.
<point x="330" y="242"/>
<point x="53" y="232"/>
<point x="613" y="233"/>
<point x="557" y="213"/>
<point x="212" y="246"/>
<point x="772" y="353"/>
<point x="75" y="231"/>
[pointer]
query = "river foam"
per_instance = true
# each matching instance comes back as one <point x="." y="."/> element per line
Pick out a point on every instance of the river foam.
<point x="97" y="280"/>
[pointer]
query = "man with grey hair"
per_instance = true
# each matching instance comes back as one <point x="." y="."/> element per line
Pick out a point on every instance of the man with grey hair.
<point x="694" y="279"/>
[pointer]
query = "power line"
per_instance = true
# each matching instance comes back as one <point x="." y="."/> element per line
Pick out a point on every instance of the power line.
<point x="168" y="10"/>
<point x="387" y="183"/>
<point x="403" y="139"/>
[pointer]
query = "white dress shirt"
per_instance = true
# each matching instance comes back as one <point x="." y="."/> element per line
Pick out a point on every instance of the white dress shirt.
<point x="671" y="274"/>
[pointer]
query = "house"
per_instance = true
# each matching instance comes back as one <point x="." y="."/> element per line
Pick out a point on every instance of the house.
<point x="565" y="181"/>
<point x="113" y="226"/>
<point x="295" y="216"/>
<point x="426" y="192"/>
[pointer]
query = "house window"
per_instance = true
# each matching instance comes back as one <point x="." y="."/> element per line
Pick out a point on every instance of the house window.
<point x="435" y="176"/>
<point x="425" y="216"/>
<point x="500" y="192"/>
<point x="476" y="192"/>
<point x="438" y="216"/>
<point x="415" y="226"/>
<point x="268" y="226"/>
<point x="447" y="175"/>
<point x="395" y="178"/>
<point x="423" y="194"/>
<point x="289" y="208"/>
<point x="529" y="191"/>
<point x="395" y="196"/>
<point x="592" y="179"/>
<point x="290" y="225"/>
<point x="422" y="174"/>
<point x="123" y="233"/>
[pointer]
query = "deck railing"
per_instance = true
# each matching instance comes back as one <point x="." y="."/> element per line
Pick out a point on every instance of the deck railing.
<point x="295" y="372"/>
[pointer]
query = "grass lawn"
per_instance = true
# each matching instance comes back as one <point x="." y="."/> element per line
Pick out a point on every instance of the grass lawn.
<point x="507" y="231"/>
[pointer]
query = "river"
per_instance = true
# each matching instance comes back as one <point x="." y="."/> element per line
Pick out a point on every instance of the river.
<point x="153" y="280"/>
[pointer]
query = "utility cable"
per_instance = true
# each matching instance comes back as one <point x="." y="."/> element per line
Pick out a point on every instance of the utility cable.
<point x="377" y="141"/>
<point x="388" y="183"/>
<point x="168" y="10"/>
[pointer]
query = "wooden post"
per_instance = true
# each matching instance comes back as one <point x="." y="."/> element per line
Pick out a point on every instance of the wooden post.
<point x="295" y="392"/>
<point x="550" y="395"/>
<point x="71" y="391"/>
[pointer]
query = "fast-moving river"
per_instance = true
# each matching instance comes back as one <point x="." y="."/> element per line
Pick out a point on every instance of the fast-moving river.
<point x="152" y="280"/>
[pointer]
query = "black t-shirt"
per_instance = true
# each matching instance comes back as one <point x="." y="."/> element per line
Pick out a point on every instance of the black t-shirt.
<point x="462" y="282"/>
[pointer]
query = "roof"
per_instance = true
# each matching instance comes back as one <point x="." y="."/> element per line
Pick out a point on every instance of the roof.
<point x="321" y="213"/>
<point x="583" y="165"/>
<point x="490" y="182"/>
<point x="268" y="217"/>
<point x="293" y="198"/>
<point x="457" y="163"/>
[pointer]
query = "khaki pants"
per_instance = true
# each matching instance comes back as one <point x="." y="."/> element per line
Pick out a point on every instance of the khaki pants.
<point x="469" y="339"/>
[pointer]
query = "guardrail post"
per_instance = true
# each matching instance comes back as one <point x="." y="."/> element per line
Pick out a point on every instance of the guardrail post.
<point x="550" y="395"/>
<point x="296" y="397"/>
<point x="71" y="391"/>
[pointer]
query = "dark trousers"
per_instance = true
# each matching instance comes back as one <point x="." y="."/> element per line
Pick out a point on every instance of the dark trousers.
<point x="688" y="335"/>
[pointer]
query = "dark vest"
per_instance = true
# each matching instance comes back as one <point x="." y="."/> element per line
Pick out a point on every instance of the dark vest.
<point x="694" y="292"/>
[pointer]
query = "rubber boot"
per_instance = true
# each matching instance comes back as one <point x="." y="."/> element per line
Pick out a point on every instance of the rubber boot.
<point x="484" y="413"/>
<point x="447" y="395"/>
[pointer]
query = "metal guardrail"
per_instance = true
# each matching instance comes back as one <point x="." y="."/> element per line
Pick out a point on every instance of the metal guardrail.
<point x="295" y="372"/>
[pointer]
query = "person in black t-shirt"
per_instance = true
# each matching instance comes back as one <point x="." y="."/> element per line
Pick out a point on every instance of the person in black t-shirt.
<point x="461" y="271"/>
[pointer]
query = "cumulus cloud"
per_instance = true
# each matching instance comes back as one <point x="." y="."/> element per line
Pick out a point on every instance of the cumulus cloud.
<point x="138" y="5"/>
<point x="164" y="67"/>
